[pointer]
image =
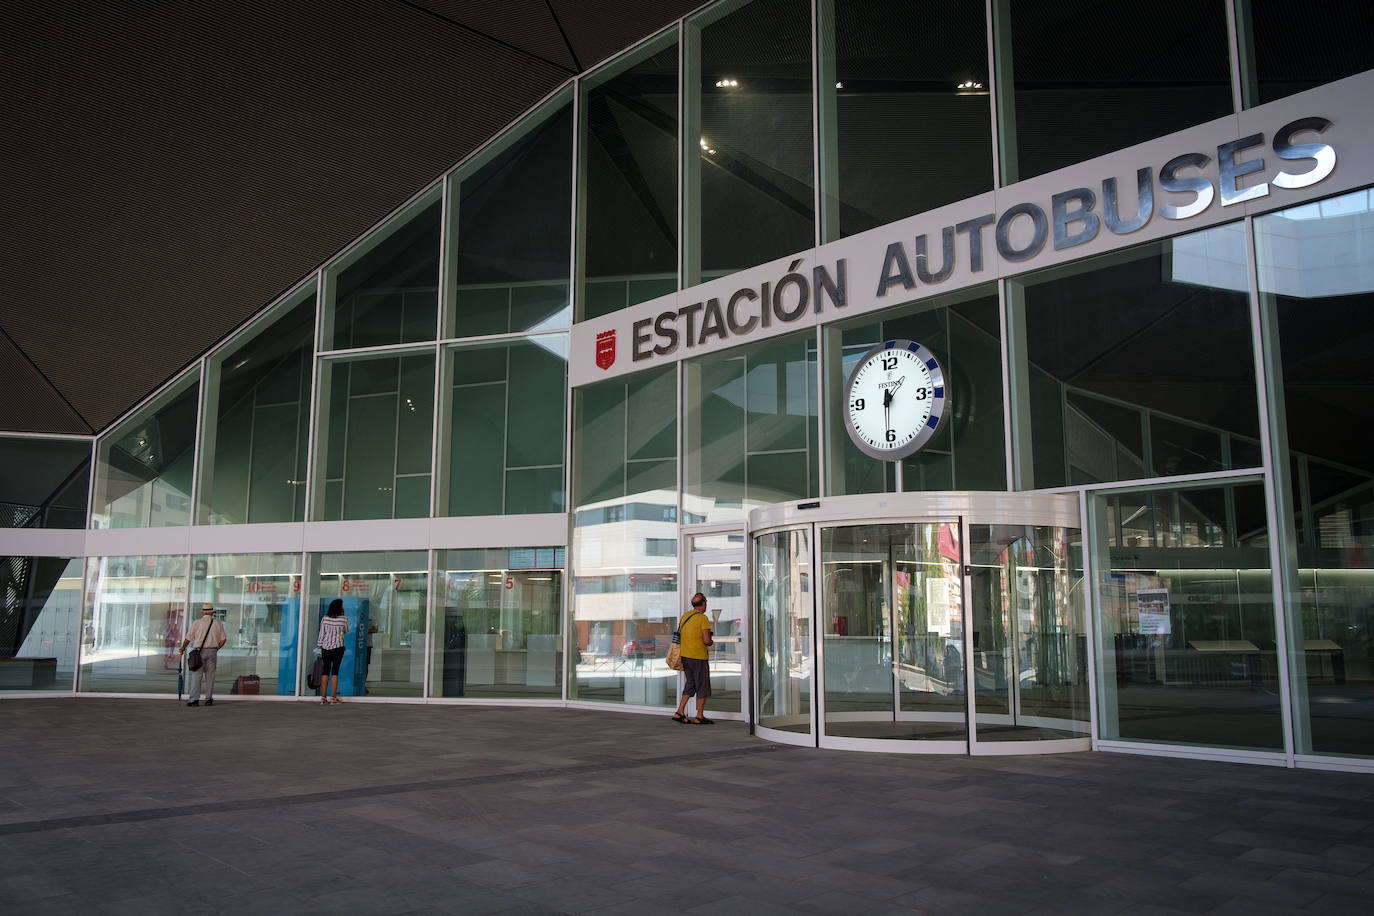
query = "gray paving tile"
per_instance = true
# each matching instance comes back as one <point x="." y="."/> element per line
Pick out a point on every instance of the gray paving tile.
<point x="484" y="810"/>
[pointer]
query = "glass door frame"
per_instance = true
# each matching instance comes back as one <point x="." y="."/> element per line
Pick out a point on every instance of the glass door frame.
<point x="738" y="554"/>
<point x="967" y="508"/>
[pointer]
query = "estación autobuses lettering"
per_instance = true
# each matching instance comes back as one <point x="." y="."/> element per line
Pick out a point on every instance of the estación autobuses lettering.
<point x="1073" y="214"/>
<point x="1018" y="233"/>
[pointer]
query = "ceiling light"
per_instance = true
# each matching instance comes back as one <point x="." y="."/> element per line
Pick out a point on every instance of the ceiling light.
<point x="839" y="85"/>
<point x="969" y="85"/>
<point x="726" y="83"/>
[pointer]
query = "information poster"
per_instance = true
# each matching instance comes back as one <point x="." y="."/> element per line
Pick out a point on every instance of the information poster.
<point x="1153" y="607"/>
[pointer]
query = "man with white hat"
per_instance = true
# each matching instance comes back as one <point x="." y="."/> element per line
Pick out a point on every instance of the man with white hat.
<point x="208" y="635"/>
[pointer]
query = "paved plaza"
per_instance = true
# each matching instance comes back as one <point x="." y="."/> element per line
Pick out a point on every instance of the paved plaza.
<point x="146" y="807"/>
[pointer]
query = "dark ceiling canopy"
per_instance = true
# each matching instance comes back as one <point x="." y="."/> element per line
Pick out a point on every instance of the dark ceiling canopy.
<point x="172" y="167"/>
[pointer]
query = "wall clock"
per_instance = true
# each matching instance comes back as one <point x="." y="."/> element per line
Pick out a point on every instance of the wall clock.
<point x="896" y="400"/>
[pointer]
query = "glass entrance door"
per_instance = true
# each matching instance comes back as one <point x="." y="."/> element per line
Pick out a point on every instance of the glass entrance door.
<point x="1029" y="671"/>
<point x="939" y="623"/>
<point x="892" y="625"/>
<point x="719" y="575"/>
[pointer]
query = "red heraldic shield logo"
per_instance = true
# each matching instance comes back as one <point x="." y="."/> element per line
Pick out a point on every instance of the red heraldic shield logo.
<point x="605" y="349"/>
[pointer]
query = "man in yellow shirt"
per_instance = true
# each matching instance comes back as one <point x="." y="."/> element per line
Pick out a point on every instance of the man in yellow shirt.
<point x="694" y="635"/>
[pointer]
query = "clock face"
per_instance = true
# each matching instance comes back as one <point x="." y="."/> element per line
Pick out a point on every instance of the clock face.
<point x="895" y="400"/>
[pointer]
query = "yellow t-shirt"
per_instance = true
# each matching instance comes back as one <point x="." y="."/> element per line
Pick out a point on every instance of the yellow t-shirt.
<point x="690" y="628"/>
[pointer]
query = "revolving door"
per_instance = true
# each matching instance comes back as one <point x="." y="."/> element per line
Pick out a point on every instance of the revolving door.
<point x="928" y="623"/>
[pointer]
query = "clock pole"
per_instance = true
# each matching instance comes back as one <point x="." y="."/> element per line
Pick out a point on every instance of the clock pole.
<point x="898" y="462"/>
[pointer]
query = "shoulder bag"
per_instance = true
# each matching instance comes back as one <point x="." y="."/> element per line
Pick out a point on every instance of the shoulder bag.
<point x="194" y="661"/>
<point x="674" y="658"/>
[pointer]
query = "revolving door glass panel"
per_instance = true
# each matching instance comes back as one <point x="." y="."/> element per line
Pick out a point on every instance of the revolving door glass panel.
<point x="1030" y="646"/>
<point x="892" y="621"/>
<point x="782" y="628"/>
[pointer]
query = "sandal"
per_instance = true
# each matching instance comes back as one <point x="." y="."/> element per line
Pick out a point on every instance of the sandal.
<point x="335" y="700"/>
<point x="702" y="720"/>
<point x="679" y="717"/>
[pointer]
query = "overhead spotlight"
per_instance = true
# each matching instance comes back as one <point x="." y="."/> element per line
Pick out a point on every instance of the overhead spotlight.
<point x="726" y="83"/>
<point x="703" y="143"/>
<point x="839" y="85"/>
<point x="969" y="85"/>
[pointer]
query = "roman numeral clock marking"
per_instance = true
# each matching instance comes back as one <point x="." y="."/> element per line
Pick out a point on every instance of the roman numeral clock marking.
<point x="896" y="400"/>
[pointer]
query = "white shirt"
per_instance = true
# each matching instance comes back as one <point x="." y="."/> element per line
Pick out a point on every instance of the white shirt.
<point x="197" y="632"/>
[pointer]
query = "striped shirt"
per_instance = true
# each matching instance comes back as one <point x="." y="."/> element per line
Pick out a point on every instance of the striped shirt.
<point x="332" y="630"/>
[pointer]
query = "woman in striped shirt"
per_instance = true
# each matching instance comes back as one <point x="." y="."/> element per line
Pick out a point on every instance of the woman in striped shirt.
<point x="333" y="628"/>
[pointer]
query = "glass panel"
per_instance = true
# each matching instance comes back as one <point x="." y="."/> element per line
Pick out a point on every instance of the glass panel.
<point x="513" y="219"/>
<point x="384" y="595"/>
<point x="722" y="584"/>
<point x="44" y="483"/>
<point x="377" y="426"/>
<point x="625" y="596"/>
<point x="1125" y="330"/>
<point x="135" y="623"/>
<point x="258" y="597"/>
<point x="721" y="541"/>
<point x="256" y="440"/>
<point x="631" y="181"/>
<point x="1334" y="44"/>
<point x="755" y="146"/>
<point x="913" y="130"/>
<point x="144" y="468"/>
<point x="750" y="415"/>
<point x="1187" y="619"/>
<point x="41" y="623"/>
<point x="1316" y="277"/>
<point x="386" y="289"/>
<point x="506" y="433"/>
<point x="496" y="623"/>
<point x="782" y="594"/>
<point x="1030" y="639"/>
<point x="893" y="630"/>
<point x="970" y="453"/>
<point x="1079" y="94"/>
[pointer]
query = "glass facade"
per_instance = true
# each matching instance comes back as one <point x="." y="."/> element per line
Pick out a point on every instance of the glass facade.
<point x="1316" y="281"/>
<point x="1188" y="647"/>
<point x="1160" y="383"/>
<point x="932" y="110"/>
<point x="510" y="272"/>
<point x="376" y="429"/>
<point x="385" y="595"/>
<point x="505" y="438"/>
<point x="257" y="429"/>
<point x="1068" y="94"/>
<point x="44" y="483"/>
<point x="629" y="203"/>
<point x="754" y="162"/>
<point x="41" y="625"/>
<point x="497" y="623"/>
<point x="1203" y="390"/>
<point x="258" y="598"/>
<point x="145" y="466"/>
<point x="625" y="596"/>
<point x="385" y="290"/>
<point x="134" y="624"/>
<point x="750" y="422"/>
